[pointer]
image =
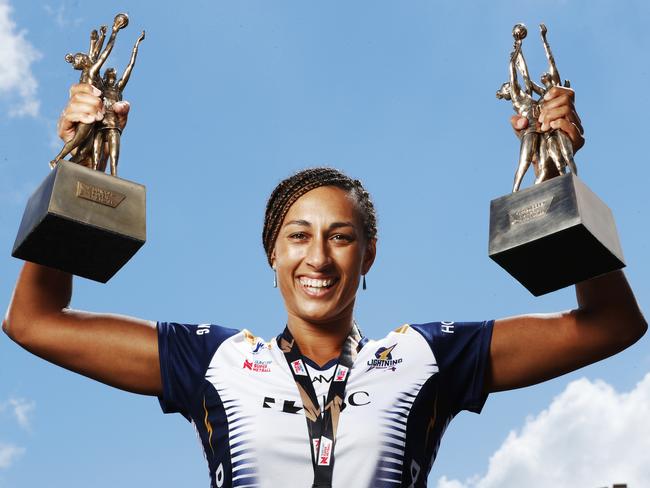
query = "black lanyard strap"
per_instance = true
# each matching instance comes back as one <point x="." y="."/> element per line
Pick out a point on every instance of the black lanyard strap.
<point x="322" y="426"/>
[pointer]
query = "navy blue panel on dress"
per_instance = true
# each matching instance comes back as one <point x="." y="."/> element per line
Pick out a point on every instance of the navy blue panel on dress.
<point x="211" y="424"/>
<point x="185" y="352"/>
<point x="462" y="352"/>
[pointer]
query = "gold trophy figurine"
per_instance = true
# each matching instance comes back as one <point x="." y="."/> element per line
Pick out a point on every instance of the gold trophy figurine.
<point x="79" y="219"/>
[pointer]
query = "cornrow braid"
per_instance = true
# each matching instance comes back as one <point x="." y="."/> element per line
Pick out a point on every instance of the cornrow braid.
<point x="292" y="188"/>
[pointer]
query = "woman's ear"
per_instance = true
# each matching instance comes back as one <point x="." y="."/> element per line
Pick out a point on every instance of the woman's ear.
<point x="369" y="255"/>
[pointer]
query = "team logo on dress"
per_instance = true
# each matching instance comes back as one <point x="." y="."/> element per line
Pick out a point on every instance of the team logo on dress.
<point x="341" y="373"/>
<point x="384" y="359"/>
<point x="257" y="366"/>
<point x="258" y="347"/>
<point x="299" y="367"/>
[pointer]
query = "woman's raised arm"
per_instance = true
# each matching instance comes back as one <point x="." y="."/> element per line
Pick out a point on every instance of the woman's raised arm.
<point x="532" y="348"/>
<point x="116" y="350"/>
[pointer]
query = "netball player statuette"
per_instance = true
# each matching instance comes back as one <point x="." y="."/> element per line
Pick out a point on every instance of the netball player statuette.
<point x="80" y="219"/>
<point x="557" y="232"/>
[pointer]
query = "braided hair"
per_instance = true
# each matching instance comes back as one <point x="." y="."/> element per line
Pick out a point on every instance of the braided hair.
<point x="292" y="188"/>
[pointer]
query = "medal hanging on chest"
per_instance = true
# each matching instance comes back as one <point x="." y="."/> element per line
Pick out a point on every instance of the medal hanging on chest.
<point x="322" y="426"/>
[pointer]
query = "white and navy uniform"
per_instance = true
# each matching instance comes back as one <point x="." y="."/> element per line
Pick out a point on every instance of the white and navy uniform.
<point x="402" y="391"/>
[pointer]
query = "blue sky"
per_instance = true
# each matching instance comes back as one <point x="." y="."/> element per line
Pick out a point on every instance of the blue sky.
<point x="230" y="97"/>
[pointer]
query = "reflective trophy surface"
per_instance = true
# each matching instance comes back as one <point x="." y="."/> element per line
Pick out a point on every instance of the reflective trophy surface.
<point x="79" y="219"/>
<point x="557" y="232"/>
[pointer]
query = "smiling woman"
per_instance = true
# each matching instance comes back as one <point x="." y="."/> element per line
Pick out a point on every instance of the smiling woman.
<point x="375" y="410"/>
<point x="319" y="247"/>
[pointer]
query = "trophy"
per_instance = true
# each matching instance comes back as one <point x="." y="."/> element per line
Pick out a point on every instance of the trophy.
<point x="557" y="232"/>
<point x="79" y="219"/>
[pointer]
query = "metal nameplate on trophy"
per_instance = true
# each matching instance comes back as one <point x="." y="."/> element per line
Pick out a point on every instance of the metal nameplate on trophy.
<point x="79" y="219"/>
<point x="557" y="232"/>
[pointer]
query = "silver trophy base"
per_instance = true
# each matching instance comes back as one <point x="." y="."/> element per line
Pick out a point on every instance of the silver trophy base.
<point x="82" y="221"/>
<point x="554" y="234"/>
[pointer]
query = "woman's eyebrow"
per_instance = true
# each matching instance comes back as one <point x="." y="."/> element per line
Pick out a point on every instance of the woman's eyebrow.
<point x="306" y="223"/>
<point x="303" y="223"/>
<point x="337" y="225"/>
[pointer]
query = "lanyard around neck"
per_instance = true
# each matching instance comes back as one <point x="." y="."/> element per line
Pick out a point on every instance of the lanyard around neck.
<point x="321" y="426"/>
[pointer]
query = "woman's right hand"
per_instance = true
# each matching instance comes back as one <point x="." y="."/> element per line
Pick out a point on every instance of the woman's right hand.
<point x="86" y="106"/>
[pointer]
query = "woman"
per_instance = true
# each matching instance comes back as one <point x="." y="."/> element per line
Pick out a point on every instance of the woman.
<point x="374" y="410"/>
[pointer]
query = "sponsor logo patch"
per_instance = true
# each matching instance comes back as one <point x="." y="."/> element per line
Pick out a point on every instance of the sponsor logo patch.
<point x="257" y="366"/>
<point x="299" y="367"/>
<point x="324" y="451"/>
<point x="384" y="359"/>
<point x="341" y="373"/>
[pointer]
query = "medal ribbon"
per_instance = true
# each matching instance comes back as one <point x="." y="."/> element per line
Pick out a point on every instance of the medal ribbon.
<point x="322" y="426"/>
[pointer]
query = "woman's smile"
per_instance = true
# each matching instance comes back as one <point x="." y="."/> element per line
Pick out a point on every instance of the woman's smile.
<point x="317" y="287"/>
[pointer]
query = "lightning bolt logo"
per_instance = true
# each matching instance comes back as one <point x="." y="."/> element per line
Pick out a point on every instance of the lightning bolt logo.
<point x="208" y="425"/>
<point x="385" y="354"/>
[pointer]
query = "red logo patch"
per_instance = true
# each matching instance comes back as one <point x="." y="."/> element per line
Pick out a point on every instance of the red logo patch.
<point x="341" y="373"/>
<point x="298" y="367"/>
<point x="257" y="366"/>
<point x="325" y="452"/>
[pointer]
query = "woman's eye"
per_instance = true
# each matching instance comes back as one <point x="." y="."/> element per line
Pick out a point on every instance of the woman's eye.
<point x="298" y="236"/>
<point x="341" y="237"/>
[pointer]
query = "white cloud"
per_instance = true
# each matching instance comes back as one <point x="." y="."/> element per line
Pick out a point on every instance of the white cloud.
<point x="445" y="483"/>
<point x="9" y="454"/>
<point x="62" y="18"/>
<point x="17" y="83"/>
<point x="590" y="436"/>
<point x="22" y="410"/>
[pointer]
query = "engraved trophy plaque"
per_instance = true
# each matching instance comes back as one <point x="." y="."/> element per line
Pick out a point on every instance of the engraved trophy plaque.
<point x="79" y="219"/>
<point x="557" y="232"/>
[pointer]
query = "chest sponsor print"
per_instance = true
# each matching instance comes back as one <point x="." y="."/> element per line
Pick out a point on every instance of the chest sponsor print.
<point x="257" y="366"/>
<point x="358" y="398"/>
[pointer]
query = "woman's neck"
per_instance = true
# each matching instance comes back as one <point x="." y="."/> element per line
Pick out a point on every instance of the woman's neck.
<point x="320" y="342"/>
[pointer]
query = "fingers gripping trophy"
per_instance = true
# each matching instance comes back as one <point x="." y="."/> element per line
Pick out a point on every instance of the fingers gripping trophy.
<point x="557" y="232"/>
<point x="79" y="219"/>
<point x="551" y="151"/>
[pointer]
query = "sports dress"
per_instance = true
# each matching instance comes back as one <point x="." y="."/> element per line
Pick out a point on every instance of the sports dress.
<point x="241" y="395"/>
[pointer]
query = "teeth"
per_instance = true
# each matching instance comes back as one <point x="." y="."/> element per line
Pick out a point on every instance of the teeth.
<point x="314" y="283"/>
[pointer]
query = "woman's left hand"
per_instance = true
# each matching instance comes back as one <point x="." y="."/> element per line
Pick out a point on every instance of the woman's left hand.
<point x="557" y="112"/>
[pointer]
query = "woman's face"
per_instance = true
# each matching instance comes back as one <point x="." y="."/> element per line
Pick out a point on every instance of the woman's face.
<point x="320" y="254"/>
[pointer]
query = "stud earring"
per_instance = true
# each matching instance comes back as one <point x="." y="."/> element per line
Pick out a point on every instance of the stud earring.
<point x="363" y="284"/>
<point x="275" y="278"/>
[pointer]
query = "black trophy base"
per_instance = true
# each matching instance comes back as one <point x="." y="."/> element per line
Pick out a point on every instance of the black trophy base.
<point x="554" y="234"/>
<point x="82" y="221"/>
